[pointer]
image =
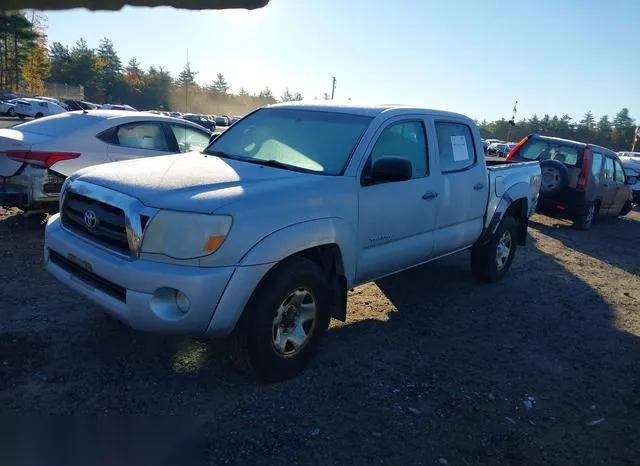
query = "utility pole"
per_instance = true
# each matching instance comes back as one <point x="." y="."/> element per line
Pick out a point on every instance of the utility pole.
<point x="333" y="86"/>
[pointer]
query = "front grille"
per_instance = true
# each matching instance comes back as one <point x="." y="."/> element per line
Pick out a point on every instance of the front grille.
<point x="109" y="229"/>
<point x="87" y="276"/>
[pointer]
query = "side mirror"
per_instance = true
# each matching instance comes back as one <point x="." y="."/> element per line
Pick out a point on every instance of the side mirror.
<point x="631" y="180"/>
<point x="390" y="169"/>
<point x="213" y="137"/>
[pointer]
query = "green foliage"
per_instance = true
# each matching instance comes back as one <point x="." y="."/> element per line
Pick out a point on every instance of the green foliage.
<point x="18" y="37"/>
<point x="616" y="135"/>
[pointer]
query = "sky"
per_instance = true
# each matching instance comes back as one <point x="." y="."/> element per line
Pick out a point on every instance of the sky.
<point x="467" y="56"/>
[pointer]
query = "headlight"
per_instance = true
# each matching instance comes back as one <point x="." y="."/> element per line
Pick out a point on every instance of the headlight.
<point x="182" y="235"/>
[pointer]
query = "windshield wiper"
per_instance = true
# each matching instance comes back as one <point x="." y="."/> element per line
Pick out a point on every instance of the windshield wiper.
<point x="275" y="164"/>
<point x="220" y="154"/>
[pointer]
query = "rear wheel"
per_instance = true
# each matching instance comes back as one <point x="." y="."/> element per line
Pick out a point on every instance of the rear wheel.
<point x="21" y="117"/>
<point x="585" y="220"/>
<point x="39" y="115"/>
<point x="284" y="321"/>
<point x="490" y="263"/>
<point x="11" y="112"/>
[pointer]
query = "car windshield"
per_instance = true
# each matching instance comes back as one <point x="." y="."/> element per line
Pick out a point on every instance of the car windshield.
<point x="316" y="141"/>
<point x="541" y="149"/>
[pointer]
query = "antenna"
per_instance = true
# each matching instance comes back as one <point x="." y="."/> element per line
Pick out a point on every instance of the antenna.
<point x="186" y="88"/>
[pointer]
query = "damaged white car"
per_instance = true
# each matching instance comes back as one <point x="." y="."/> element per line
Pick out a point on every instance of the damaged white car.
<point x="37" y="156"/>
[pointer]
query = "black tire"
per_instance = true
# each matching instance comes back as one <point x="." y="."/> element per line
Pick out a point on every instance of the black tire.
<point x="555" y="176"/>
<point x="626" y="208"/>
<point x="484" y="259"/>
<point x="252" y="344"/>
<point x="11" y="112"/>
<point x="39" y="115"/>
<point x="584" y="221"/>
<point x="21" y="117"/>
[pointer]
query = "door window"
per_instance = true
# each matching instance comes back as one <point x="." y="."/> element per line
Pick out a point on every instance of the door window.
<point x="189" y="139"/>
<point x="142" y="136"/>
<point x="608" y="168"/>
<point x="405" y="139"/>
<point x="619" y="173"/>
<point x="596" y="164"/>
<point x="455" y="146"/>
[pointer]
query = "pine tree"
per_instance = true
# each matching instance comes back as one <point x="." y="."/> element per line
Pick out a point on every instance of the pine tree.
<point x="187" y="76"/>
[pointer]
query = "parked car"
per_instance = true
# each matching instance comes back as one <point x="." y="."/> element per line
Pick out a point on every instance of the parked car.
<point x="579" y="181"/>
<point x="55" y="101"/>
<point x="221" y="120"/>
<point x="37" y="156"/>
<point x="36" y="108"/>
<point x="262" y="234"/>
<point x="235" y="119"/>
<point x="495" y="148"/>
<point x="8" y="107"/>
<point x="80" y="105"/>
<point x="631" y="163"/>
<point x="202" y="120"/>
<point x="175" y="114"/>
<point x="5" y="95"/>
<point x="117" y="107"/>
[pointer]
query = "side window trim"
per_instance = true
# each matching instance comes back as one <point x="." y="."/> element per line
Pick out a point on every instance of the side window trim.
<point x="475" y="152"/>
<point x="172" y="142"/>
<point x="383" y="127"/>
<point x="616" y="165"/>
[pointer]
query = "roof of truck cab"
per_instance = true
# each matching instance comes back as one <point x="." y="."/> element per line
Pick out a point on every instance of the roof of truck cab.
<point x="371" y="110"/>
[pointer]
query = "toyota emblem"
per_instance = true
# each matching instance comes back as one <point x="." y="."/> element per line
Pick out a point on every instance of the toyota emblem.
<point x="90" y="219"/>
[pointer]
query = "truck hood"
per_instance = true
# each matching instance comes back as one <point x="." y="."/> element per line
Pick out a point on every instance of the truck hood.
<point x="191" y="182"/>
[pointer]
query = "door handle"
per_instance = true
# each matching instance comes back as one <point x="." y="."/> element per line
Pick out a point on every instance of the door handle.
<point x="429" y="195"/>
<point x="478" y="186"/>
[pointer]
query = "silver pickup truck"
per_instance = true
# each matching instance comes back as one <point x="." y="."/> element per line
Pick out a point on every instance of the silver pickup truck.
<point x="261" y="235"/>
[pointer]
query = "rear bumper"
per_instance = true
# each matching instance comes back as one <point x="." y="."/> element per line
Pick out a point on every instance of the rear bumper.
<point x="30" y="187"/>
<point x="568" y="203"/>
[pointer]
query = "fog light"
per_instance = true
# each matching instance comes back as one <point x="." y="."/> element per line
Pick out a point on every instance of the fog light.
<point x="182" y="301"/>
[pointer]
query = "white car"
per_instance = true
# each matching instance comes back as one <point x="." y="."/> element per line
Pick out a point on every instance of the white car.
<point x="117" y="107"/>
<point x="631" y="163"/>
<point x="36" y="108"/>
<point x="8" y="107"/>
<point x="37" y="156"/>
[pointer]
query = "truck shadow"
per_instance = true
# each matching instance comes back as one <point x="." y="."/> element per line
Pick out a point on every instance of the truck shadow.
<point x="430" y="364"/>
<point x="614" y="241"/>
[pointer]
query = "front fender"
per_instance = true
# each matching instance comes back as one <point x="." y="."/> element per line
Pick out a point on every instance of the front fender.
<point x="517" y="192"/>
<point x="295" y="238"/>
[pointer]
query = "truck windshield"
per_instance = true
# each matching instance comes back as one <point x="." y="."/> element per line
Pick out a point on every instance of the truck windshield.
<point x="314" y="141"/>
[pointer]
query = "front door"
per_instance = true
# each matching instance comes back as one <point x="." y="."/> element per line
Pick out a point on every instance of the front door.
<point x="396" y="219"/>
<point x="465" y="191"/>
<point x="622" y="189"/>
<point x="610" y="188"/>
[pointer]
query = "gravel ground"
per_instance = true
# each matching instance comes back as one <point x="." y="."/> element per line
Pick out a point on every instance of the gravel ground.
<point x="431" y="367"/>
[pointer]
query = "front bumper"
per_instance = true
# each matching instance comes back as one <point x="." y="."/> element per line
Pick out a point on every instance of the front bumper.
<point x="142" y="293"/>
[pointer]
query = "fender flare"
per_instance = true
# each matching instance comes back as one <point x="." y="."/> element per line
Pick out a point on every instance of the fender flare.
<point x="298" y="237"/>
<point x="519" y="192"/>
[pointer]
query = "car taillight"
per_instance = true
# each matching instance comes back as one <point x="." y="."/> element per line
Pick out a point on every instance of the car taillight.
<point x="41" y="158"/>
<point x="583" y="177"/>
<point x="517" y="147"/>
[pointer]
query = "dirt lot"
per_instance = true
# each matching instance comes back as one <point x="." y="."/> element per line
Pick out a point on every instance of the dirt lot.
<point x="431" y="368"/>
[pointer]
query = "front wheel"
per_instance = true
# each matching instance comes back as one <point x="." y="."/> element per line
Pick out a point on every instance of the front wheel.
<point x="21" y="117"/>
<point x="284" y="321"/>
<point x="11" y="112"/>
<point x="626" y="208"/>
<point x="490" y="263"/>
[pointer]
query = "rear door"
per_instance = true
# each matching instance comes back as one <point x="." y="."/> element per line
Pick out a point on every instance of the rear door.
<point x="136" y="140"/>
<point x="610" y="188"/>
<point x="465" y="192"/>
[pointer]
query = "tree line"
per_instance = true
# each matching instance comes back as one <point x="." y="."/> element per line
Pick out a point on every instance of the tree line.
<point x="616" y="134"/>
<point x="27" y="61"/>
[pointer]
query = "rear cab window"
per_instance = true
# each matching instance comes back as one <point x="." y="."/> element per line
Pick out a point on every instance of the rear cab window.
<point x="455" y="146"/>
<point x="548" y="149"/>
